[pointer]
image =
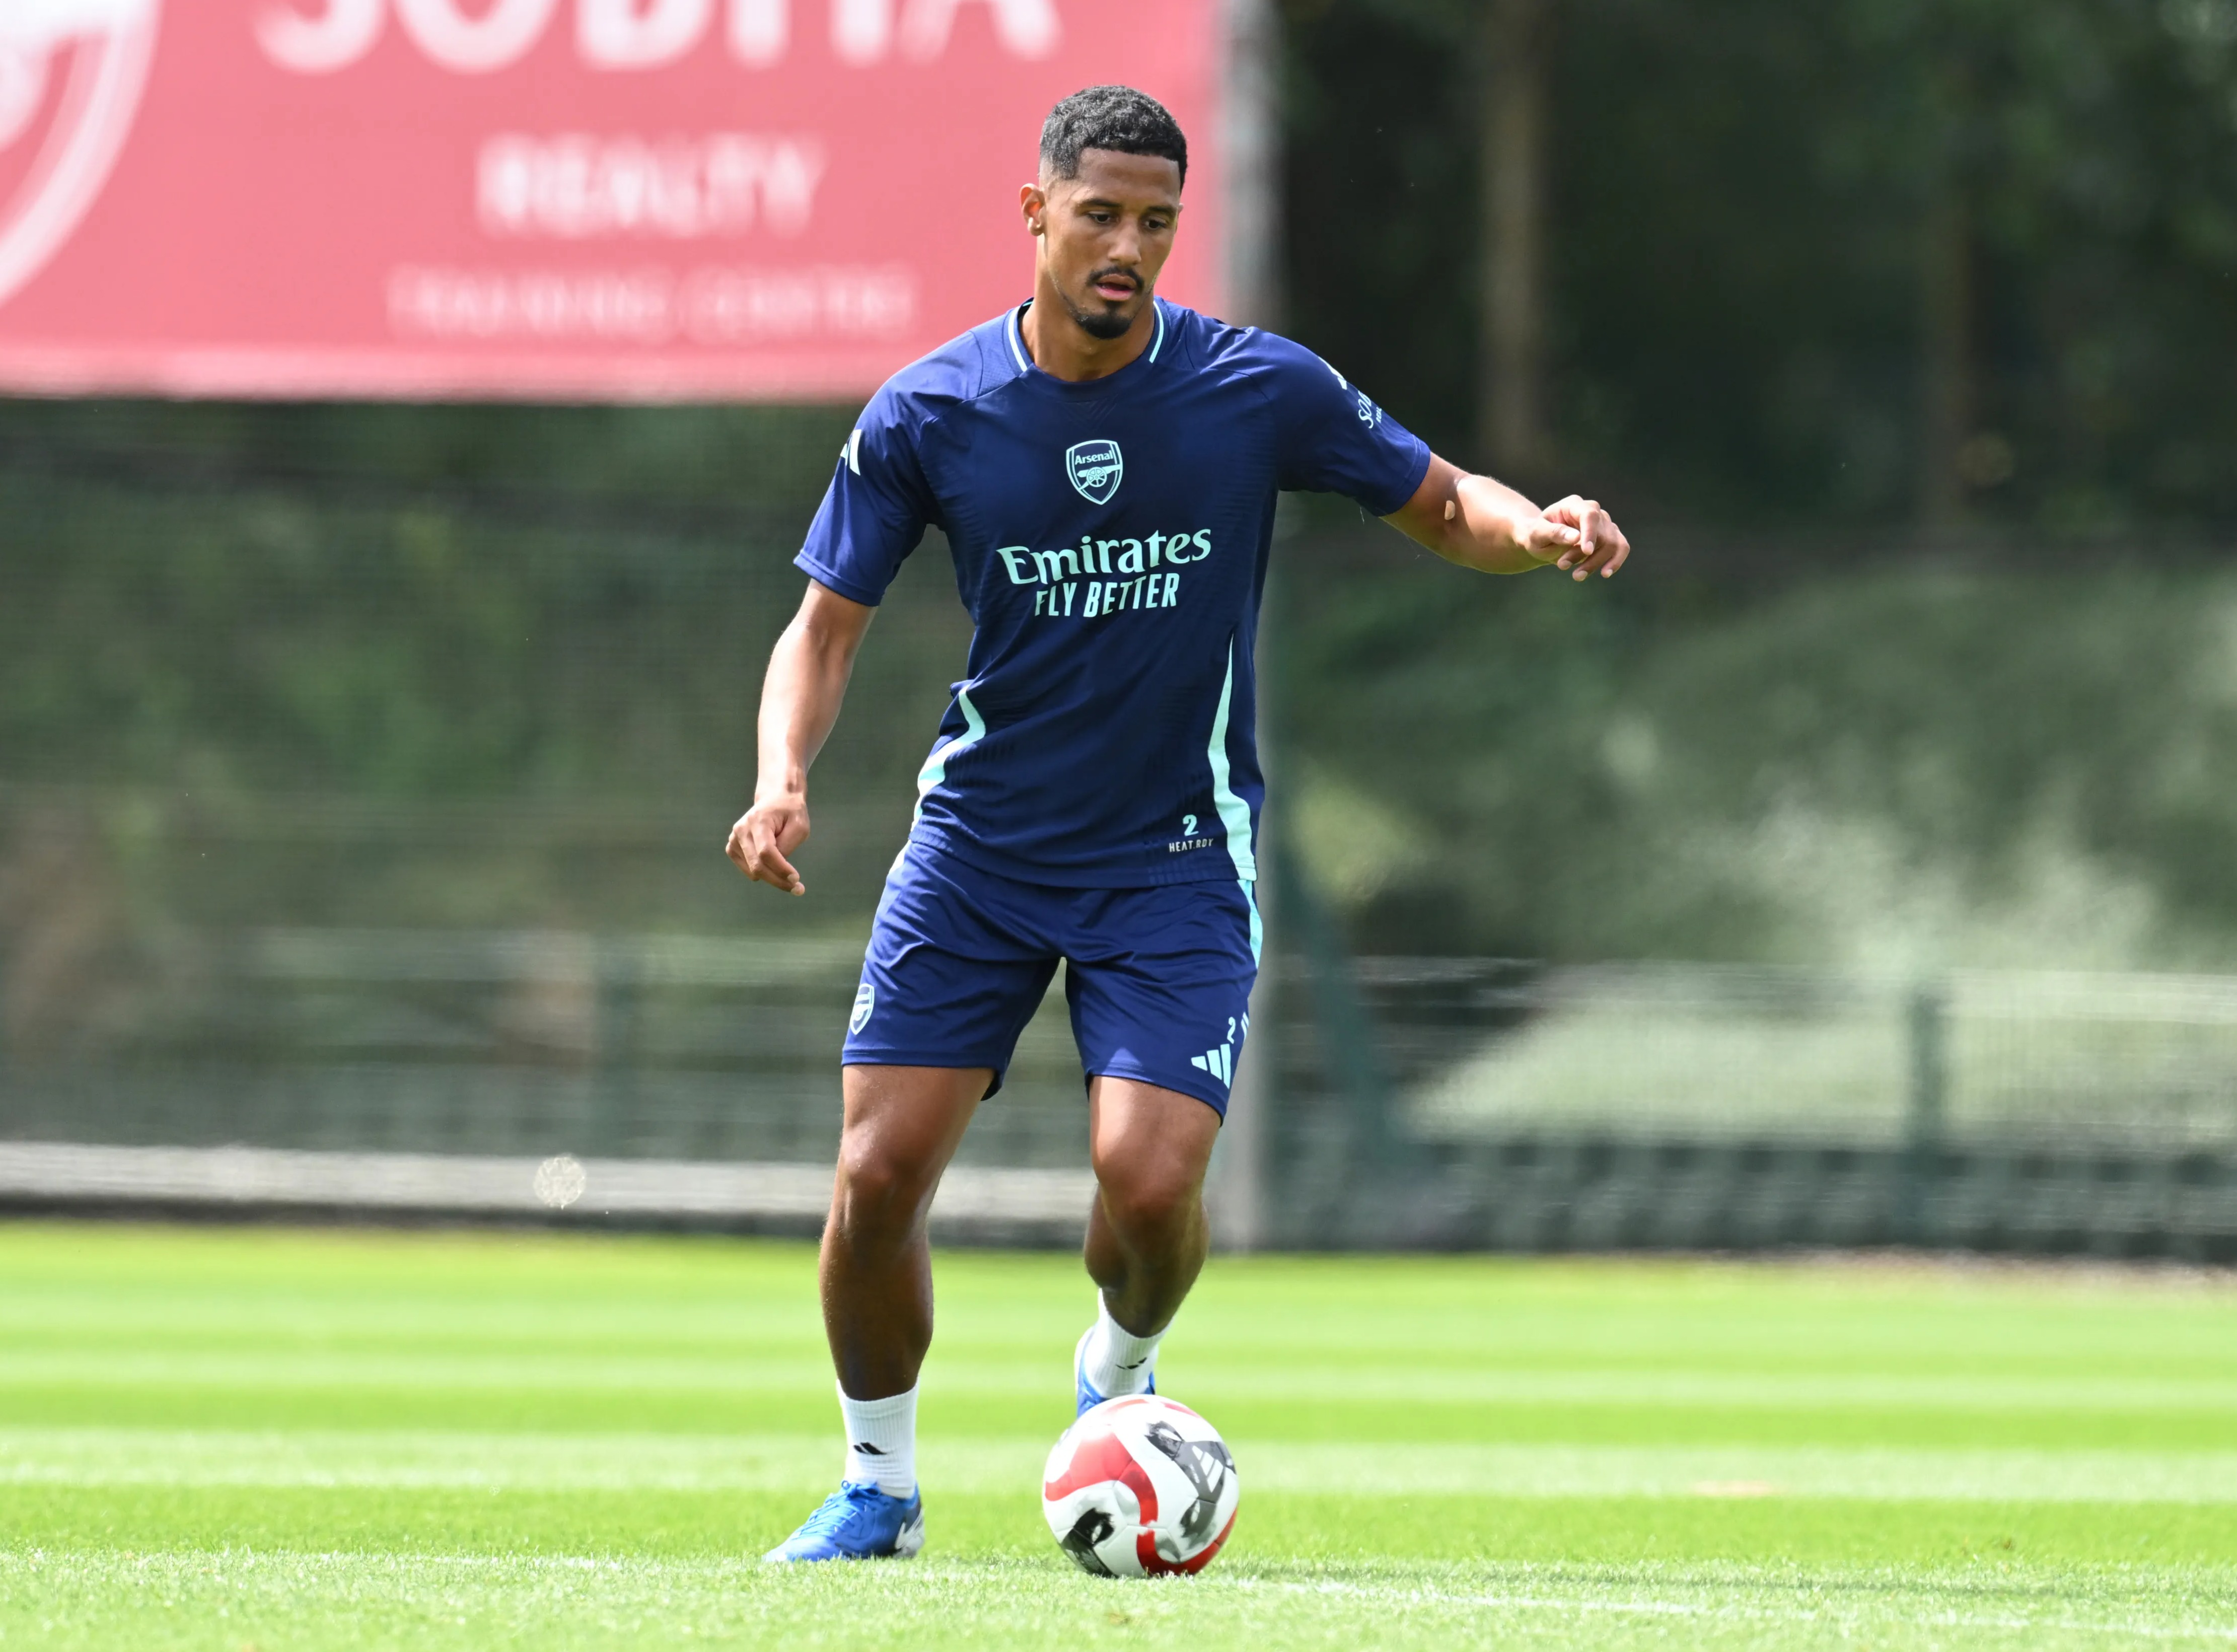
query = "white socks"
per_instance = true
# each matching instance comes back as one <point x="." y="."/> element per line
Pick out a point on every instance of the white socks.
<point x="882" y="1433"/>
<point x="881" y="1443"/>
<point x="1115" y="1361"/>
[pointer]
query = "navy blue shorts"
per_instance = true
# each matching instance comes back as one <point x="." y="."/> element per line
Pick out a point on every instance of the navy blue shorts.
<point x="1158" y="980"/>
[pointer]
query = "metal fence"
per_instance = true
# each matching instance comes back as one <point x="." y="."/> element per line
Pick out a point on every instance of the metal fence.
<point x="1437" y="1102"/>
<point x="367" y="1064"/>
<point x="1502" y="1104"/>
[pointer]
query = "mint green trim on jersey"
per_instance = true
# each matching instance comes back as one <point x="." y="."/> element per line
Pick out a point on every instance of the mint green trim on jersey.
<point x="1257" y="929"/>
<point x="1234" y="813"/>
<point x="975" y="730"/>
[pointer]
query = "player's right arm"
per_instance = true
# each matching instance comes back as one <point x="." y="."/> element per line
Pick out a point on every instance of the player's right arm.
<point x="873" y="515"/>
<point x="808" y="673"/>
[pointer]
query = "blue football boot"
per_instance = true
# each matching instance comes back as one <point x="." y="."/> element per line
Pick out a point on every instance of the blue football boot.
<point x="857" y="1521"/>
<point x="1089" y="1399"/>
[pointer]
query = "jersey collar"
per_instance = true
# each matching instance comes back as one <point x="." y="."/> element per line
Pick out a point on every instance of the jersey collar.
<point x="1015" y="333"/>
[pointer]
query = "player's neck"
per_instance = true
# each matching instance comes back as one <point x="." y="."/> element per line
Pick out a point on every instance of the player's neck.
<point x="1063" y="349"/>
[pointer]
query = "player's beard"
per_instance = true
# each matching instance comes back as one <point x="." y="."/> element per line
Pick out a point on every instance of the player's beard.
<point x="1099" y="323"/>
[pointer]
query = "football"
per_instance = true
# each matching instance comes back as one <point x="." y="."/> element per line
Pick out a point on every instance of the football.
<point x="1140" y="1487"/>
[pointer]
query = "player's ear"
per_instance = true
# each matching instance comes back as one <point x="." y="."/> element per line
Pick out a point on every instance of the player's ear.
<point x="1032" y="201"/>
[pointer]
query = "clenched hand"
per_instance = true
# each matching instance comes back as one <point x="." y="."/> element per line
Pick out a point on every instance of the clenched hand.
<point x="765" y="835"/>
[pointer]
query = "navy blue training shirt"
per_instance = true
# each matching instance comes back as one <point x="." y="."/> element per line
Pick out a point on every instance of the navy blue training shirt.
<point x="1109" y="541"/>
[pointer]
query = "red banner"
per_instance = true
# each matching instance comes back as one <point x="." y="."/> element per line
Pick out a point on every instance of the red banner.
<point x="563" y="199"/>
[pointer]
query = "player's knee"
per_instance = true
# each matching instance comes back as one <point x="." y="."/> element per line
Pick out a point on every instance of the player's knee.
<point x="881" y="1190"/>
<point x="1148" y="1202"/>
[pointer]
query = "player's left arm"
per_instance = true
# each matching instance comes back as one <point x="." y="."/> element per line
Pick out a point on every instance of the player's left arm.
<point x="1486" y="525"/>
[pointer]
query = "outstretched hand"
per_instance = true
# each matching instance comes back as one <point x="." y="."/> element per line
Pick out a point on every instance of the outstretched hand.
<point x="765" y="835"/>
<point x="1588" y="538"/>
<point x="1485" y="524"/>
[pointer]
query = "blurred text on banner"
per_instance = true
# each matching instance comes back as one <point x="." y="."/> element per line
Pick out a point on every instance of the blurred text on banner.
<point x="562" y="199"/>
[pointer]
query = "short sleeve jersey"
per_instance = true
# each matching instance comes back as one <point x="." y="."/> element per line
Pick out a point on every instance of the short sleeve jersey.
<point x="1110" y="541"/>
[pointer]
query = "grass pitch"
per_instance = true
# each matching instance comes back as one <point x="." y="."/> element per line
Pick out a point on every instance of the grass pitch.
<point x="288" y="1440"/>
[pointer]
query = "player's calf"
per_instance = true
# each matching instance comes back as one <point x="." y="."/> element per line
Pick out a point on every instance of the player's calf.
<point x="1146" y="1235"/>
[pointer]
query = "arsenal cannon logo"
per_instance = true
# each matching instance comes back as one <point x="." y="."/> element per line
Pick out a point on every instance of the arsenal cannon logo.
<point x="1096" y="469"/>
<point x="71" y="72"/>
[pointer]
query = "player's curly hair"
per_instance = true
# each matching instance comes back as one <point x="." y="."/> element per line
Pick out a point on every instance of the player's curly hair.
<point x="1110" y="117"/>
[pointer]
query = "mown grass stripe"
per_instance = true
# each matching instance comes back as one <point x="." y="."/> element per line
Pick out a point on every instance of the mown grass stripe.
<point x="947" y="1601"/>
<point x="806" y="1463"/>
<point x="333" y="1442"/>
<point x="745" y="1370"/>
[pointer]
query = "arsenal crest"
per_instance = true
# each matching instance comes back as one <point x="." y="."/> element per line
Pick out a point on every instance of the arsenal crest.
<point x="71" y="72"/>
<point x="1096" y="469"/>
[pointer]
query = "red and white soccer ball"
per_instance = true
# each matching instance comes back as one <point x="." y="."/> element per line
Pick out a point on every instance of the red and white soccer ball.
<point x="1140" y="1487"/>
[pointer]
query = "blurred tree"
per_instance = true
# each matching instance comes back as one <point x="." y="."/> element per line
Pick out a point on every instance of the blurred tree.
<point x="1863" y="261"/>
<point x="1893" y="766"/>
<point x="1515" y="58"/>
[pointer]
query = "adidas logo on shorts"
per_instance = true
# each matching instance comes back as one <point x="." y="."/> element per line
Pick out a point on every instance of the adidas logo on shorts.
<point x="1220" y="1062"/>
